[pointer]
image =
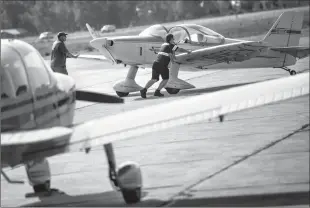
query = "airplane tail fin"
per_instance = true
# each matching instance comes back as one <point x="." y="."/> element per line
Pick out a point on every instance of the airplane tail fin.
<point x="92" y="32"/>
<point x="286" y="31"/>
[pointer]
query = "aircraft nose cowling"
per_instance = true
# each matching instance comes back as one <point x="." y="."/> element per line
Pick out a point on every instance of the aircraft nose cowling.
<point x="101" y="42"/>
<point x="102" y="45"/>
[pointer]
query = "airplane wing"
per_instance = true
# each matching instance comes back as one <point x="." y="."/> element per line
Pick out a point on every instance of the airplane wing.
<point x="94" y="57"/>
<point x="239" y="51"/>
<point x="145" y="120"/>
<point x="16" y="146"/>
<point x="296" y="51"/>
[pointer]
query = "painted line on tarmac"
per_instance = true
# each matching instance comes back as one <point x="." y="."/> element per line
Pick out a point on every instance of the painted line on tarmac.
<point x="173" y="199"/>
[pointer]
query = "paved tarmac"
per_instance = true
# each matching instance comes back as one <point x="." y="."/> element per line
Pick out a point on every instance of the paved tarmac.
<point x="258" y="157"/>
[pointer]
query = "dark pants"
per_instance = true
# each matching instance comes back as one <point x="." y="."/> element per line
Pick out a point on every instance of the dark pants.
<point x="159" y="69"/>
<point x="60" y="69"/>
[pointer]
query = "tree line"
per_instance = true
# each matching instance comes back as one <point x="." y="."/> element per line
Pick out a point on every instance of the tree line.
<point x="39" y="16"/>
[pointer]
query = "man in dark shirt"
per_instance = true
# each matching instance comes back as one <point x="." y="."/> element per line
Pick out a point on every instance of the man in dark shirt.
<point x="60" y="54"/>
<point x="160" y="65"/>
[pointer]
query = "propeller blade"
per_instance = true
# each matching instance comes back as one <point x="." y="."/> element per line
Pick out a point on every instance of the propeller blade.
<point x="97" y="97"/>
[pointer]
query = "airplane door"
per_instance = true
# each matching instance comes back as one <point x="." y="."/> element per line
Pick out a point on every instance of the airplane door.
<point x="46" y="110"/>
<point x="17" y="109"/>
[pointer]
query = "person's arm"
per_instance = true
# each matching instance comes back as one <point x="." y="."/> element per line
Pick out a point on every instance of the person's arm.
<point x="177" y="48"/>
<point x="64" y="49"/>
<point x="172" y="57"/>
<point x="70" y="55"/>
<point x="183" y="50"/>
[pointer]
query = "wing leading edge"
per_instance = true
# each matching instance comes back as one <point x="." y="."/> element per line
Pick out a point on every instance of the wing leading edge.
<point x="146" y="120"/>
<point x="93" y="57"/>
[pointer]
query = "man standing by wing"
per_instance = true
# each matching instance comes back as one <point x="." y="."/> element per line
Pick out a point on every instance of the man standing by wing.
<point x="60" y="54"/>
<point x="160" y="65"/>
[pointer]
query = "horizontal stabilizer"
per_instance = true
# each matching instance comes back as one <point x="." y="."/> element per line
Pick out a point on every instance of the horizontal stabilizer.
<point x="296" y="51"/>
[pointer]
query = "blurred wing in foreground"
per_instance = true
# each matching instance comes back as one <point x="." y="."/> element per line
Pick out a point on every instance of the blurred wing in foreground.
<point x="42" y="143"/>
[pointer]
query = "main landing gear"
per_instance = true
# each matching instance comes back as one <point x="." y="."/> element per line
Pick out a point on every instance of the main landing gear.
<point x="122" y="94"/>
<point x="127" y="179"/>
<point x="174" y="85"/>
<point x="172" y="91"/>
<point x="292" y="72"/>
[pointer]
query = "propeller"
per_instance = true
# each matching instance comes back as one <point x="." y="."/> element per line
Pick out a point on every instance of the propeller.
<point x="97" y="97"/>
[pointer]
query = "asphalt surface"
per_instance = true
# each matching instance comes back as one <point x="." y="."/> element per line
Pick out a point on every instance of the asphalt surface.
<point x="258" y="157"/>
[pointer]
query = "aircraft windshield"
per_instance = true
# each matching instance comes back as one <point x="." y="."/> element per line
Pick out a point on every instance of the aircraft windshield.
<point x="195" y="34"/>
<point x="203" y="30"/>
<point x="156" y="31"/>
<point x="13" y="77"/>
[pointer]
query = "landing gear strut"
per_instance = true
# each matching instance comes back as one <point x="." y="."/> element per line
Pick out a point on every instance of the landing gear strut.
<point x="292" y="72"/>
<point x="9" y="180"/>
<point x="119" y="179"/>
<point x="123" y="88"/>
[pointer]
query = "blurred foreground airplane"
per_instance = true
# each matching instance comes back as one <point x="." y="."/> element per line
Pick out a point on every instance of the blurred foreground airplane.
<point x="37" y="109"/>
<point x="210" y="50"/>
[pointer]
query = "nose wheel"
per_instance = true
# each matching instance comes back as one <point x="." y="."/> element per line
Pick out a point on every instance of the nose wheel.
<point x="130" y="195"/>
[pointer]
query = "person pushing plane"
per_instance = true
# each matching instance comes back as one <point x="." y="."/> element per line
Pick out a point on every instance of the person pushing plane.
<point x="60" y="53"/>
<point x="160" y="65"/>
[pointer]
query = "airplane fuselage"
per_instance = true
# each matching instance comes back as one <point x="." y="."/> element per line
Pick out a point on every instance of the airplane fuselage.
<point x="142" y="51"/>
<point x="32" y="95"/>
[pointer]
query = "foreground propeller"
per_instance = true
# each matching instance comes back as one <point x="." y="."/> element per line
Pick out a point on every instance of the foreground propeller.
<point x="97" y="97"/>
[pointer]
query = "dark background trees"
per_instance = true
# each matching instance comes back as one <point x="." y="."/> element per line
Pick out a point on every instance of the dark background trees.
<point x="54" y="16"/>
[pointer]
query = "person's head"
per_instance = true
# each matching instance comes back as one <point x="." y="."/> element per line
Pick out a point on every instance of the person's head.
<point x="170" y="38"/>
<point x="62" y="36"/>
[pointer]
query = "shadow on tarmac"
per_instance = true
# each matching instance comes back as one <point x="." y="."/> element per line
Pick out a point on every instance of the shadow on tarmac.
<point x="261" y="200"/>
<point x="191" y="92"/>
<point x="104" y="199"/>
<point x="114" y="199"/>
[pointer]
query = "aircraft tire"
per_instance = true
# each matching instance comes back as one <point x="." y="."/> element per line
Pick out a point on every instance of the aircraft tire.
<point x="131" y="195"/>
<point x="172" y="90"/>
<point x="122" y="94"/>
<point x="292" y="72"/>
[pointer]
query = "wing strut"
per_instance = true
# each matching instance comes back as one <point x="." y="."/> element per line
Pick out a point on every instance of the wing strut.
<point x="9" y="180"/>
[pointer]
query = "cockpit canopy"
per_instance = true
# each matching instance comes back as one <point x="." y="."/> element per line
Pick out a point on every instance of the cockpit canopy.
<point x="192" y="33"/>
<point x="22" y="69"/>
<point x="185" y="33"/>
<point x="155" y="31"/>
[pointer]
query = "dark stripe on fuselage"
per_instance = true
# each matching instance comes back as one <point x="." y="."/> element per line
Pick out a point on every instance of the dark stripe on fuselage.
<point x="39" y="112"/>
<point x="285" y="31"/>
<point x="45" y="96"/>
<point x="16" y="105"/>
<point x="28" y="101"/>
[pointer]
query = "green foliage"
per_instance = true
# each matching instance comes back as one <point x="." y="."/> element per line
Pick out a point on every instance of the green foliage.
<point x="39" y="16"/>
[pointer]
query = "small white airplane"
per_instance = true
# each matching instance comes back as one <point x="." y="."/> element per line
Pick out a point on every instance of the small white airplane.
<point x="210" y="50"/>
<point x="37" y="109"/>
